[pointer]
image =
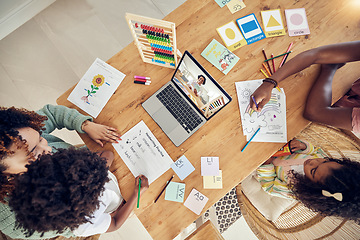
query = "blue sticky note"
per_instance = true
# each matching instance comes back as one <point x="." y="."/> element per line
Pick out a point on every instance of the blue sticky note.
<point x="222" y="3"/>
<point x="250" y="28"/>
<point x="175" y="192"/>
<point x="182" y="167"/>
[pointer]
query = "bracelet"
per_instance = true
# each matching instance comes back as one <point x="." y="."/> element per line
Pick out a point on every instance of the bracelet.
<point x="270" y="80"/>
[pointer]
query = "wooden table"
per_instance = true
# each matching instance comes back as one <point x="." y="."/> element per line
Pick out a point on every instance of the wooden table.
<point x="330" y="21"/>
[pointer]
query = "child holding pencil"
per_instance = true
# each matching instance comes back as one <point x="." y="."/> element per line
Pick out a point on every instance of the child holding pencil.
<point x="71" y="190"/>
<point x="346" y="113"/>
<point x="326" y="185"/>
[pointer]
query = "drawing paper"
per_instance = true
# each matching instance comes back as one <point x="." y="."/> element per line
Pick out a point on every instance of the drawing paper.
<point x="273" y="23"/>
<point x="96" y="87"/>
<point x="209" y="166"/>
<point x="297" y="22"/>
<point x="231" y="36"/>
<point x="142" y="153"/>
<point x="213" y="182"/>
<point x="250" y="28"/>
<point x="271" y="119"/>
<point x="182" y="167"/>
<point x="196" y="201"/>
<point x="219" y="56"/>
<point x="175" y="192"/>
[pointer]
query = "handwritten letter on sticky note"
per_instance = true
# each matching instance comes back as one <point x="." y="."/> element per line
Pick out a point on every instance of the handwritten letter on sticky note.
<point x="196" y="201"/>
<point x="182" y="167"/>
<point x="213" y="182"/>
<point x="175" y="192"/>
<point x="209" y="166"/>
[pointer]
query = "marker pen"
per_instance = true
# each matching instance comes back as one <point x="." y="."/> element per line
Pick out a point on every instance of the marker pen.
<point x="140" y="77"/>
<point x="145" y="83"/>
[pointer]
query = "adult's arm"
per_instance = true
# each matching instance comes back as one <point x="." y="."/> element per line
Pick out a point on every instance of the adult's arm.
<point x="329" y="54"/>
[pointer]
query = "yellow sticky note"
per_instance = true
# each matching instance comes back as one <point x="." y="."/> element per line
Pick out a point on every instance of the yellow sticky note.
<point x="235" y="5"/>
<point x="213" y="182"/>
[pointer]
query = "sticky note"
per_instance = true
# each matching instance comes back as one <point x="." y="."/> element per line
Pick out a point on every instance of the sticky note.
<point x="235" y="5"/>
<point x="231" y="36"/>
<point x="250" y="28"/>
<point x="273" y="23"/>
<point x="182" y="167"/>
<point x="222" y="3"/>
<point x="196" y="201"/>
<point x="297" y="22"/>
<point x="209" y="166"/>
<point x="213" y="182"/>
<point x="175" y="192"/>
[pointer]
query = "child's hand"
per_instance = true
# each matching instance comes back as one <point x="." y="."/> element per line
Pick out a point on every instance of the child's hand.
<point x="144" y="184"/>
<point x="262" y="96"/>
<point x="100" y="133"/>
<point x="296" y="145"/>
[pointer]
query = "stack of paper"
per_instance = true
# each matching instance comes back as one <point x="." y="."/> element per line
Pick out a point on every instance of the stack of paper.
<point x="212" y="176"/>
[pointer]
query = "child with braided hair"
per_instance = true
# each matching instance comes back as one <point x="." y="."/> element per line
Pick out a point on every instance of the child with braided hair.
<point x="326" y="185"/>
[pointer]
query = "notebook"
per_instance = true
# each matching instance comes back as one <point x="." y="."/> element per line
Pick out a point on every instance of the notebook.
<point x="187" y="101"/>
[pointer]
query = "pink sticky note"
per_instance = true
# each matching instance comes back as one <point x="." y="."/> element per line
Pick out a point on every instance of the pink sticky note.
<point x="196" y="201"/>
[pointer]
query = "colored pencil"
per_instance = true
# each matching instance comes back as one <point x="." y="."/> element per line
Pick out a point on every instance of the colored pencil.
<point x="285" y="59"/>
<point x="250" y="139"/>
<point x="164" y="188"/>
<point x="141" y="77"/>
<point x="263" y="51"/>
<point x="282" y="62"/>
<point x="273" y="62"/>
<point x="264" y="73"/>
<point x="267" y="70"/>
<point x="138" y="201"/>
<point x="257" y="106"/>
<point x="277" y="56"/>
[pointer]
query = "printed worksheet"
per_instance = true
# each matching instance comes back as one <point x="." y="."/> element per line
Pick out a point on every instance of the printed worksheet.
<point x="271" y="119"/>
<point x="96" y="87"/>
<point x="142" y="152"/>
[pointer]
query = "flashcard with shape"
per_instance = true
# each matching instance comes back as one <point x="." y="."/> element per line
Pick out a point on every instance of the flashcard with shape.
<point x="222" y="3"/>
<point x="182" y="167"/>
<point x="210" y="166"/>
<point x="231" y="36"/>
<point x="175" y="192"/>
<point x="297" y="22"/>
<point x="196" y="201"/>
<point x="235" y="5"/>
<point x="273" y="23"/>
<point x="213" y="182"/>
<point x="250" y="28"/>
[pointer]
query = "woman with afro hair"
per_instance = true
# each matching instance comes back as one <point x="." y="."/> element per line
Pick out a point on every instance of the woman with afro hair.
<point x="71" y="189"/>
<point x="325" y="185"/>
<point x="24" y="135"/>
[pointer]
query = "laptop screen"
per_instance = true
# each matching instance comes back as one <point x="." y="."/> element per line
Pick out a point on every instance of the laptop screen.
<point x="197" y="84"/>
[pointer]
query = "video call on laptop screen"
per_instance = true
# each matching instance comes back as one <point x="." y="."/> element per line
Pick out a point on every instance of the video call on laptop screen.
<point x="200" y="87"/>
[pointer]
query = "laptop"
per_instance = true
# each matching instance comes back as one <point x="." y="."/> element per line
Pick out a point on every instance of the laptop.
<point x="187" y="101"/>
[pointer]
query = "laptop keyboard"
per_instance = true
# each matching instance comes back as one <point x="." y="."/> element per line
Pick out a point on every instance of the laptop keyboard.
<point x="179" y="108"/>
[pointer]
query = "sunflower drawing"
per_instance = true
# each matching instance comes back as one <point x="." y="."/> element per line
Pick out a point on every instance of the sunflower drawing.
<point x="97" y="81"/>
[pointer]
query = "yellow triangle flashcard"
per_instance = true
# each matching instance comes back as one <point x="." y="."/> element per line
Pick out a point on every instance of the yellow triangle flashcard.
<point x="231" y="36"/>
<point x="273" y="23"/>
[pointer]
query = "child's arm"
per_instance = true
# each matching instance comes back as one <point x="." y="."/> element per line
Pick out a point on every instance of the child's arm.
<point x="122" y="213"/>
<point x="329" y="54"/>
<point x="63" y="117"/>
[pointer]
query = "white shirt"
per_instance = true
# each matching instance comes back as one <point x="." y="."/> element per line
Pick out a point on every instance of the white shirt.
<point x="110" y="200"/>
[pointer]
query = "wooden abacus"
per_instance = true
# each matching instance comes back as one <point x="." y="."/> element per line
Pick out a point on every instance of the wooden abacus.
<point x="155" y="40"/>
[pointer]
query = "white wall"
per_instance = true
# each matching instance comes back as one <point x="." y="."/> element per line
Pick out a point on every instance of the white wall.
<point x="14" y="13"/>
